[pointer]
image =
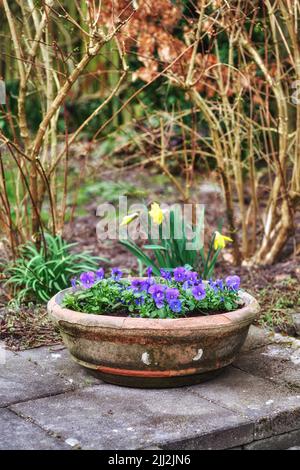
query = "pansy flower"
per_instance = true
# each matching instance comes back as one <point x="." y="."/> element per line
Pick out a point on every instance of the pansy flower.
<point x="199" y="292"/>
<point x="87" y="279"/>
<point x="136" y="285"/>
<point x="191" y="277"/>
<point x="179" y="274"/>
<point x="147" y="283"/>
<point x="172" y="294"/>
<point x="167" y="275"/>
<point x="216" y="285"/>
<point x="233" y="282"/>
<point x="100" y="274"/>
<point x="116" y="274"/>
<point x="139" y="300"/>
<point x="73" y="283"/>
<point x="157" y="292"/>
<point x="149" y="271"/>
<point x="175" y="305"/>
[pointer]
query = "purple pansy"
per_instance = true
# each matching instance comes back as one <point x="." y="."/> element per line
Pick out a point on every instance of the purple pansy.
<point x="136" y="285"/>
<point x="191" y="277"/>
<point x="149" y="271"/>
<point x="172" y="294"/>
<point x="158" y="294"/>
<point x="100" y="274"/>
<point x="146" y="284"/>
<point x="175" y="305"/>
<point x="116" y="274"/>
<point x="157" y="290"/>
<point x="179" y="274"/>
<point x="166" y="274"/>
<point x="186" y="285"/>
<point x="87" y="279"/>
<point x="233" y="282"/>
<point x="216" y="285"/>
<point x="199" y="292"/>
<point x="73" y="283"/>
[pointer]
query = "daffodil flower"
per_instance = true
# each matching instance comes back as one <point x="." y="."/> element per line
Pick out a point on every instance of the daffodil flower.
<point x="128" y="218"/>
<point x="156" y="213"/>
<point x="220" y="241"/>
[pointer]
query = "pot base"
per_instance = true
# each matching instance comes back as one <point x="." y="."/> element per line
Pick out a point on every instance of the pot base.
<point x="156" y="382"/>
<point x="140" y="379"/>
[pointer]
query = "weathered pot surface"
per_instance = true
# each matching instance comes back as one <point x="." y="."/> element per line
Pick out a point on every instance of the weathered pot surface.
<point x="154" y="353"/>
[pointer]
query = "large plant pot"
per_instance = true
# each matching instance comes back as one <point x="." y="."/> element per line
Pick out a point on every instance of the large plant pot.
<point x="140" y="352"/>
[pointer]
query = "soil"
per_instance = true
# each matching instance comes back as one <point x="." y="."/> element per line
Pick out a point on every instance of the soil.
<point x="27" y="326"/>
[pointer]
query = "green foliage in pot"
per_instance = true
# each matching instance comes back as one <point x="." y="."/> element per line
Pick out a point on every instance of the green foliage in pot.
<point x="171" y="295"/>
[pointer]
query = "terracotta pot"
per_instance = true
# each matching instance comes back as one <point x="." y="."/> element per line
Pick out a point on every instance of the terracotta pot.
<point x="141" y="352"/>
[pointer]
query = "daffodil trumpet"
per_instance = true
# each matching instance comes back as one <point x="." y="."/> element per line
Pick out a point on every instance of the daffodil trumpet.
<point x="156" y="213"/>
<point x="220" y="240"/>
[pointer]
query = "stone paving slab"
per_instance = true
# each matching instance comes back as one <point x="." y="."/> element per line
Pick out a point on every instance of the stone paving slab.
<point x="258" y="337"/>
<point x="282" y="441"/>
<point x="276" y="362"/>
<point x="16" y="433"/>
<point x="273" y="408"/>
<point x="110" y="417"/>
<point x="39" y="372"/>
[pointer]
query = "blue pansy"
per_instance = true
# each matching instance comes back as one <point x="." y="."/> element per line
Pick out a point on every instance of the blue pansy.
<point x="73" y="283"/>
<point x="233" y="282"/>
<point x="175" y="305"/>
<point x="116" y="274"/>
<point x="216" y="285"/>
<point x="139" y="300"/>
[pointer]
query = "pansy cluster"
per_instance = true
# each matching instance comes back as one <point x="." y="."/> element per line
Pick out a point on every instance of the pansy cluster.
<point x="177" y="292"/>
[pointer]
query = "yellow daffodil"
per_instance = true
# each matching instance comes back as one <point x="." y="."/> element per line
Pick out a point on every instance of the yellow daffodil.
<point x="220" y="241"/>
<point x="156" y="213"/>
<point x="128" y="218"/>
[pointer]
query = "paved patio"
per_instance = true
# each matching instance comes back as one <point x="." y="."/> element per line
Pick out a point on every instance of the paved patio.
<point x="48" y="402"/>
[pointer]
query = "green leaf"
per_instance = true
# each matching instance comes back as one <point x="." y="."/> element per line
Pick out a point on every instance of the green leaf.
<point x="154" y="247"/>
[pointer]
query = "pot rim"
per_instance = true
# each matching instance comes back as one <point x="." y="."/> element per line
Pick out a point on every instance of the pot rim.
<point x="244" y="315"/>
